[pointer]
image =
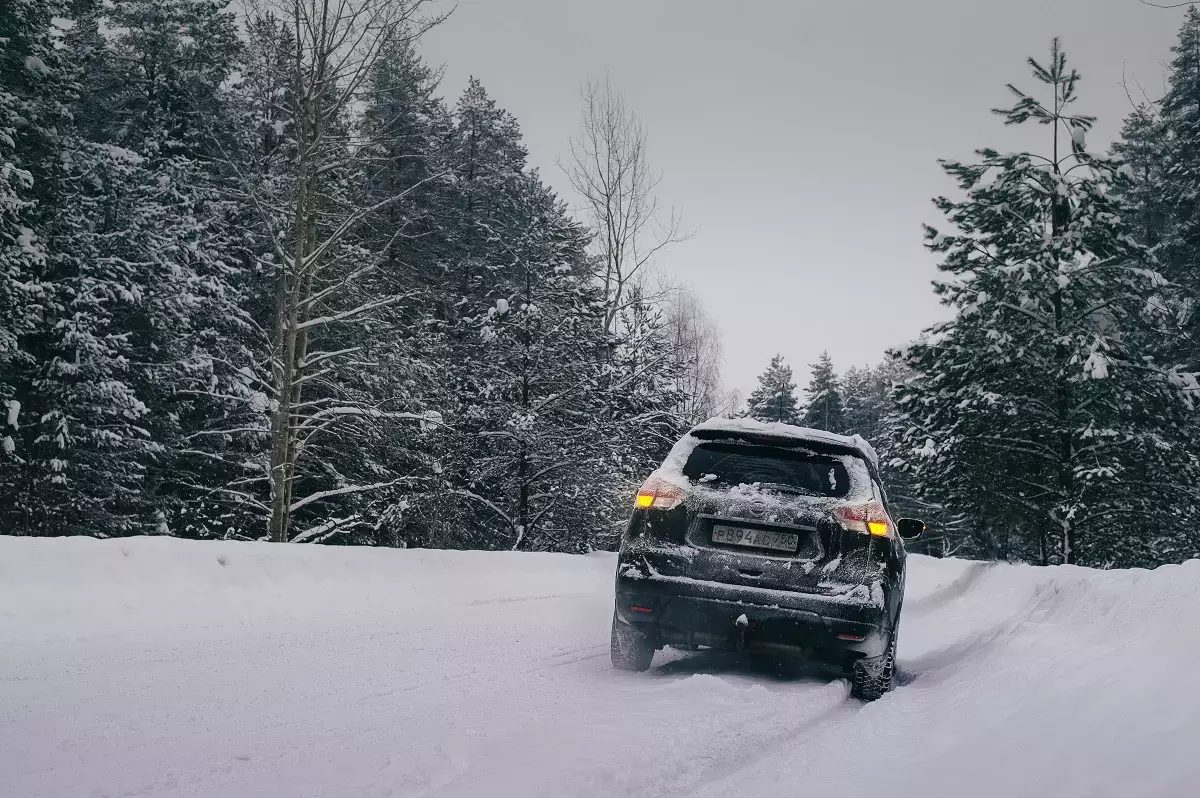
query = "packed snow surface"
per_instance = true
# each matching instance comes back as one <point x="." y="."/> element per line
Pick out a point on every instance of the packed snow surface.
<point x="165" y="667"/>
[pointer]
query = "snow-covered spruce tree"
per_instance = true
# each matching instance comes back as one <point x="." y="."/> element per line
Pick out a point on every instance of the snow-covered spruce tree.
<point x="34" y="87"/>
<point x="775" y="397"/>
<point x="824" y="406"/>
<point x="487" y="163"/>
<point x="1040" y="410"/>
<point x="1160" y="148"/>
<point x="1179" y="187"/>
<point x="84" y="444"/>
<point x="164" y="98"/>
<point x="866" y="395"/>
<point x="525" y="324"/>
<point x="133" y="274"/>
<point x="1142" y="186"/>
<point x="533" y="441"/>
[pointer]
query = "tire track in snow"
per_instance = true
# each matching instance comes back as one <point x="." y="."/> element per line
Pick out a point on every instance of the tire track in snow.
<point x="755" y="715"/>
<point x="979" y="640"/>
<point x="956" y="589"/>
<point x="847" y="720"/>
<point x="546" y="663"/>
<point x="520" y="599"/>
<point x="770" y="745"/>
<point x="597" y="653"/>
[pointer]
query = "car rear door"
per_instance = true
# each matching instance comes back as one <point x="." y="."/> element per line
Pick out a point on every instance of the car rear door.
<point x="761" y="515"/>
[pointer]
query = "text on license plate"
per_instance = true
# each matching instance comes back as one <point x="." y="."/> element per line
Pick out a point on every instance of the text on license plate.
<point x="755" y="538"/>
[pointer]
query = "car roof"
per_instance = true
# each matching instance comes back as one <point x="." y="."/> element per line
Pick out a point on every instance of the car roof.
<point x="747" y="426"/>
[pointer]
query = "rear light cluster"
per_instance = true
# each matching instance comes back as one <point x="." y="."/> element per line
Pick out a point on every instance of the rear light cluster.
<point x="869" y="518"/>
<point x="659" y="494"/>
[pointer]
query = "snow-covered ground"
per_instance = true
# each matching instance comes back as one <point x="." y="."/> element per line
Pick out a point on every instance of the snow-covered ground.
<point x="165" y="667"/>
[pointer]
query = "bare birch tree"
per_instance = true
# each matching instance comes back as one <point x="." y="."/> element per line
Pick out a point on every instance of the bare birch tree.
<point x="327" y="51"/>
<point x="609" y="169"/>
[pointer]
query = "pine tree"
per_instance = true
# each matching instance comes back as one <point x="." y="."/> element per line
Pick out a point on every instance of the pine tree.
<point x="824" y="408"/>
<point x="1040" y="409"/>
<point x="775" y="397"/>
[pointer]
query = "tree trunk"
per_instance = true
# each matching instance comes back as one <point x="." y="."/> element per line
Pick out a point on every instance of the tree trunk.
<point x="1060" y="217"/>
<point x="523" y="461"/>
<point x="287" y="319"/>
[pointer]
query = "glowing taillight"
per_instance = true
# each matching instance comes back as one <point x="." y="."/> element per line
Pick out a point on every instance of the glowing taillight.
<point x="659" y="494"/>
<point x="869" y="518"/>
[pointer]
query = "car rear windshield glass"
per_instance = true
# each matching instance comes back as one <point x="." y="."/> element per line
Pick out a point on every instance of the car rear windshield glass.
<point x="731" y="464"/>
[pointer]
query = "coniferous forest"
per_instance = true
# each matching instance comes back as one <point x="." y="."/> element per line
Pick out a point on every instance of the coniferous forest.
<point x="260" y="280"/>
<point x="1053" y="418"/>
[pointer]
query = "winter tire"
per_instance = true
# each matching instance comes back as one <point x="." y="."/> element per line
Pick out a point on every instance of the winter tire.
<point x="873" y="678"/>
<point x="629" y="648"/>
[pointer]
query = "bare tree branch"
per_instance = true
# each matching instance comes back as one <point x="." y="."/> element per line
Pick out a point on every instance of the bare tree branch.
<point x="609" y="169"/>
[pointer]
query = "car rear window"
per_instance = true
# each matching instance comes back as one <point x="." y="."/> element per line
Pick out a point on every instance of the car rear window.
<point x="732" y="464"/>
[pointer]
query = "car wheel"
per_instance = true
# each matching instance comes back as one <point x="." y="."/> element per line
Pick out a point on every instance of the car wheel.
<point x="873" y="678"/>
<point x="629" y="649"/>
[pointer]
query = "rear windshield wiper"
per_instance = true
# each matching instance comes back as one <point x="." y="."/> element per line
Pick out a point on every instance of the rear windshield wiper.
<point x="782" y="488"/>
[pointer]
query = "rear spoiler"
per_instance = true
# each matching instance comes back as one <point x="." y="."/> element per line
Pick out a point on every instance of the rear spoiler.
<point x="784" y="441"/>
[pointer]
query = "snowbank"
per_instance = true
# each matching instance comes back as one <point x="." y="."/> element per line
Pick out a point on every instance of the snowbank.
<point x="165" y="667"/>
<point x="165" y="582"/>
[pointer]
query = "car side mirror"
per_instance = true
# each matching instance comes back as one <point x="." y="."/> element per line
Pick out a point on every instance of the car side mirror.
<point x="910" y="528"/>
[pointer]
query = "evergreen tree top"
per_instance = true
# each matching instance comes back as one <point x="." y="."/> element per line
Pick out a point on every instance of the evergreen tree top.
<point x="825" y="408"/>
<point x="775" y="397"/>
<point x="487" y="131"/>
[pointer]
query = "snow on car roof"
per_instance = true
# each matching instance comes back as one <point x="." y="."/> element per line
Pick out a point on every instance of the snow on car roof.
<point x="749" y="425"/>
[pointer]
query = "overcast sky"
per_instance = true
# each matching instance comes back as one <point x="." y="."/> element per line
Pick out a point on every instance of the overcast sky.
<point x="799" y="139"/>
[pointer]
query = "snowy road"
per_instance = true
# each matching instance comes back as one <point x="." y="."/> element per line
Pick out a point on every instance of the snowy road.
<point x="163" y="667"/>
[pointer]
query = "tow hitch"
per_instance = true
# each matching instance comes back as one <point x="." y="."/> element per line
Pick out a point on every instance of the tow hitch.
<point x="742" y="624"/>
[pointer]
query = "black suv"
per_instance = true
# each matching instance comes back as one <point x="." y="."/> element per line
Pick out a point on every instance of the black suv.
<point x="768" y="538"/>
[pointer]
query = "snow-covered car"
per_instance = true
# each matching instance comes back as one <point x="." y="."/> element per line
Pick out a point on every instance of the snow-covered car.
<point x="770" y="538"/>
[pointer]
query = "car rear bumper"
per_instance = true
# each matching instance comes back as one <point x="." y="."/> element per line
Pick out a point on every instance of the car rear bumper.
<point x="692" y="612"/>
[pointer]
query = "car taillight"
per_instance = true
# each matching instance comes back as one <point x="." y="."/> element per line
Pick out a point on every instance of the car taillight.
<point x="869" y="518"/>
<point x="659" y="494"/>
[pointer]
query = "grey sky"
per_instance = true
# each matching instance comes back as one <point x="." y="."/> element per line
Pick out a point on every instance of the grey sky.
<point x="799" y="138"/>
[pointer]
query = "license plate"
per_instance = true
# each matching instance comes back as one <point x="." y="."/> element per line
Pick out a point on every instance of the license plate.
<point x="755" y="538"/>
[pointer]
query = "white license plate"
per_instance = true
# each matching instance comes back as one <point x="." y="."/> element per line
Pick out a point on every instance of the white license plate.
<point x="755" y="538"/>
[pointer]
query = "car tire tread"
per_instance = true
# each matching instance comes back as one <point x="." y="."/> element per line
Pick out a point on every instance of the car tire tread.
<point x="872" y="679"/>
